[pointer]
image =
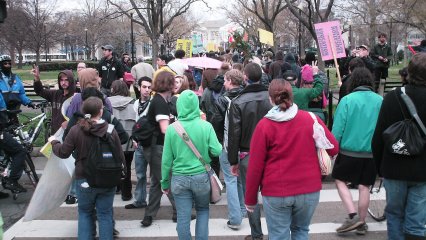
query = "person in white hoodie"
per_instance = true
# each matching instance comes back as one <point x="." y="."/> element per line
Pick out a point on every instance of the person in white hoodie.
<point x="141" y="108"/>
<point x="122" y="109"/>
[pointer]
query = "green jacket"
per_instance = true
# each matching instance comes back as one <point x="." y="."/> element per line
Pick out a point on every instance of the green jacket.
<point x="381" y="50"/>
<point x="302" y="96"/>
<point x="355" y="120"/>
<point x="177" y="156"/>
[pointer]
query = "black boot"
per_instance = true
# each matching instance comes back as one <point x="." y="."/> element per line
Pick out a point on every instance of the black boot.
<point x="4" y="195"/>
<point x="13" y="185"/>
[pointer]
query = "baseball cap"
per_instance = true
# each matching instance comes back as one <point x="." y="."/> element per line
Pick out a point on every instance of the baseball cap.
<point x="363" y="46"/>
<point x="108" y="47"/>
<point x="289" y="75"/>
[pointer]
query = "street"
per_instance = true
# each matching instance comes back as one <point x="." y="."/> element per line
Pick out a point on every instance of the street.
<point x="62" y="222"/>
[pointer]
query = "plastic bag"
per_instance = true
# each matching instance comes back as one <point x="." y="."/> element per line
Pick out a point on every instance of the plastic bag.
<point x="321" y="141"/>
<point x="53" y="186"/>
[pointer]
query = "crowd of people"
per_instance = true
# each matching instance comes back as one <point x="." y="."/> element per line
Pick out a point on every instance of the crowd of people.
<point x="251" y="121"/>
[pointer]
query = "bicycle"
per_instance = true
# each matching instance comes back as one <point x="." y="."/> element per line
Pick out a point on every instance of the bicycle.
<point x="26" y="134"/>
<point x="376" y="209"/>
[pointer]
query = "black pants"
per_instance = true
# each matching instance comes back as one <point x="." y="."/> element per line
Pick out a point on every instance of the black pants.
<point x="126" y="183"/>
<point x="12" y="148"/>
<point x="379" y="73"/>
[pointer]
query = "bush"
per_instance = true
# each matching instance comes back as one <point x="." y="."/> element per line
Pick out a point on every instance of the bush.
<point x="58" y="66"/>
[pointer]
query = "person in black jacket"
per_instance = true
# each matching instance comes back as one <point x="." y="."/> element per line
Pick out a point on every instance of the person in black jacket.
<point x="404" y="176"/>
<point x="245" y="112"/>
<point x="109" y="69"/>
<point x="346" y="81"/>
<point x="233" y="86"/>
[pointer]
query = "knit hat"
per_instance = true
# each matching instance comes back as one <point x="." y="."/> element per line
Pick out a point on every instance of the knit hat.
<point x="88" y="77"/>
<point x="307" y="74"/>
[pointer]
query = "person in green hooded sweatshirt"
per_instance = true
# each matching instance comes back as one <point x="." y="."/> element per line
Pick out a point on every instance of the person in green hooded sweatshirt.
<point x="189" y="181"/>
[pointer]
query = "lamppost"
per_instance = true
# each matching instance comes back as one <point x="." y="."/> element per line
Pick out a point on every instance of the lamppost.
<point x="45" y="42"/>
<point x="351" y="44"/>
<point x="87" y="50"/>
<point x="300" y="31"/>
<point x="161" y="28"/>
<point x="132" y="39"/>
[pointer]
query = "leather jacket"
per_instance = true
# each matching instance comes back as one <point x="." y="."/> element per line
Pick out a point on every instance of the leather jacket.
<point x="221" y="105"/>
<point x="245" y="112"/>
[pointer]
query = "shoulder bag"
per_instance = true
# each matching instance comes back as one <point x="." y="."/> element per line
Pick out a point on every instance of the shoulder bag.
<point x="215" y="184"/>
<point x="404" y="137"/>
<point x="322" y="143"/>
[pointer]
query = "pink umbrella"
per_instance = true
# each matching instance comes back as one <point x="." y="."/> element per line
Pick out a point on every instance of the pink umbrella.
<point x="203" y="62"/>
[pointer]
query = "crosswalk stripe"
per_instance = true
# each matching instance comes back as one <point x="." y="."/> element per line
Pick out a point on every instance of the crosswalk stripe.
<point x="159" y="228"/>
<point x="327" y="195"/>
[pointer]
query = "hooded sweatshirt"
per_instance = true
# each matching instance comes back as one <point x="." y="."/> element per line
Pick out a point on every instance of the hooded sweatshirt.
<point x="176" y="153"/>
<point x="56" y="98"/>
<point x="122" y="109"/>
<point x="283" y="156"/>
<point x="80" y="141"/>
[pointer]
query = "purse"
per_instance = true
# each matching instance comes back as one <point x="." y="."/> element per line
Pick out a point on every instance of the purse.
<point x="322" y="143"/>
<point x="215" y="184"/>
<point x="404" y="137"/>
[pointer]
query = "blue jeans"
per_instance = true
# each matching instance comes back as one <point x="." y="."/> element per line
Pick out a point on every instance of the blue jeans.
<point x="140" y="168"/>
<point x="234" y="191"/>
<point x="293" y="213"/>
<point x="189" y="190"/>
<point x="405" y="208"/>
<point x="254" y="217"/>
<point x="88" y="199"/>
<point x="73" y="190"/>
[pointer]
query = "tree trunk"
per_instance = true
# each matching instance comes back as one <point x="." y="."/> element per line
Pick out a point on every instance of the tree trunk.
<point x="155" y="49"/>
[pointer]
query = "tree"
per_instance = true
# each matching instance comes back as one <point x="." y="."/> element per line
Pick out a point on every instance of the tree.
<point x="43" y="24"/>
<point x="264" y="10"/>
<point x="311" y="14"/>
<point x="15" y="26"/>
<point x="153" y="15"/>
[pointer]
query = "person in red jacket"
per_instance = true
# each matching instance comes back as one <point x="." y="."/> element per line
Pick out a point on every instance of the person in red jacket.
<point x="284" y="164"/>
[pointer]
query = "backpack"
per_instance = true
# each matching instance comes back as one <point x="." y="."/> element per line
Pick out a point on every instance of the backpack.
<point x="143" y="131"/>
<point x="103" y="167"/>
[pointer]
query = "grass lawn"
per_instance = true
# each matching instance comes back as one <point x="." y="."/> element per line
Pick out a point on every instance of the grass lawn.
<point x="24" y="117"/>
<point x="393" y="75"/>
<point x="25" y="74"/>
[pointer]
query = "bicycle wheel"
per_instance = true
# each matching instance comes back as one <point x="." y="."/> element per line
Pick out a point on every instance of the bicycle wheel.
<point x="377" y="205"/>
<point x="31" y="171"/>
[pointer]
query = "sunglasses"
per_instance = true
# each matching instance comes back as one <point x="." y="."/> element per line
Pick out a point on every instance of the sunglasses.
<point x="7" y="63"/>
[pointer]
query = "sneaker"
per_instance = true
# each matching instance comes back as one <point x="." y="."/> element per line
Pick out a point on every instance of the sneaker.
<point x="362" y="230"/>
<point x="4" y="195"/>
<point x="350" y="224"/>
<point x="71" y="200"/>
<point x="13" y="185"/>
<point x="174" y="217"/>
<point x="147" y="221"/>
<point x="233" y="226"/>
<point x="115" y="232"/>
<point x="133" y="206"/>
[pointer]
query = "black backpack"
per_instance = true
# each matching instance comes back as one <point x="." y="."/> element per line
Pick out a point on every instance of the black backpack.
<point x="143" y="131"/>
<point x="103" y="167"/>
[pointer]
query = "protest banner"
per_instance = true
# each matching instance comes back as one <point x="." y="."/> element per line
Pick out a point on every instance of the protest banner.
<point x="266" y="37"/>
<point x="330" y="43"/>
<point x="186" y="45"/>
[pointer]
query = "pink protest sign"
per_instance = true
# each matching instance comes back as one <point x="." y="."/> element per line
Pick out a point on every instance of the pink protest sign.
<point x="330" y="36"/>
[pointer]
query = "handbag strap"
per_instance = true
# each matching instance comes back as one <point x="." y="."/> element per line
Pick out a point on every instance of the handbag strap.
<point x="185" y="137"/>
<point x="412" y="109"/>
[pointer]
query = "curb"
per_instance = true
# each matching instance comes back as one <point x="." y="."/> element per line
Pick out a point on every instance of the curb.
<point x="36" y="152"/>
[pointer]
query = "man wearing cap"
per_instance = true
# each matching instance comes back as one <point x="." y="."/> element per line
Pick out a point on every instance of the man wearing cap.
<point x="363" y="53"/>
<point x="109" y="69"/>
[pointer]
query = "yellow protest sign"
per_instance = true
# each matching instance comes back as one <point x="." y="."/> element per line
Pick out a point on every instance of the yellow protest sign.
<point x="211" y="47"/>
<point x="266" y="37"/>
<point x="186" y="45"/>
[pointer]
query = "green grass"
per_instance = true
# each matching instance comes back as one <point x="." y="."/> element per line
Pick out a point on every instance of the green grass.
<point x="25" y="74"/>
<point x="393" y="75"/>
<point x="23" y="117"/>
